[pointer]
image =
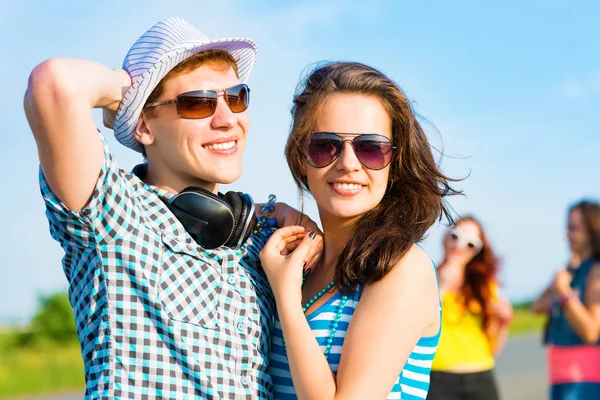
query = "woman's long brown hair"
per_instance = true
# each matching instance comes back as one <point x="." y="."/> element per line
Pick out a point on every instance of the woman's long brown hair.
<point x="480" y="273"/>
<point x="414" y="199"/>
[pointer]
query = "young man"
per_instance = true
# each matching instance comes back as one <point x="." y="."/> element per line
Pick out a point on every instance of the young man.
<point x="158" y="315"/>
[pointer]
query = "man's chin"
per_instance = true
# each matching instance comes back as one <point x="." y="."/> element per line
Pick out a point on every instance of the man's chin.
<point x="226" y="179"/>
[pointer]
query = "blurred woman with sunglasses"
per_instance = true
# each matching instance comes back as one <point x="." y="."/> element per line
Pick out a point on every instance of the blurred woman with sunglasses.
<point x="365" y="323"/>
<point x="573" y="302"/>
<point x="475" y="318"/>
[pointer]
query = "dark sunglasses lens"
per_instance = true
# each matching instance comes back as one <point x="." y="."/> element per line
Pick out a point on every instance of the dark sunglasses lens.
<point x="196" y="106"/>
<point x="374" y="151"/>
<point x="323" y="149"/>
<point x="238" y="98"/>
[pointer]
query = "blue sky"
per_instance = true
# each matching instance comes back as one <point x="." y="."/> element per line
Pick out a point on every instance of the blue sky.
<point x="512" y="89"/>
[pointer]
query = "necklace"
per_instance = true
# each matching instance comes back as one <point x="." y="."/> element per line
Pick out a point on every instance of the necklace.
<point x="336" y="320"/>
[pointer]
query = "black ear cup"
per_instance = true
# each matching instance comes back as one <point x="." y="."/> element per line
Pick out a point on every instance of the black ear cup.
<point x="212" y="220"/>
<point x="242" y="207"/>
<point x="237" y="208"/>
<point x="208" y="219"/>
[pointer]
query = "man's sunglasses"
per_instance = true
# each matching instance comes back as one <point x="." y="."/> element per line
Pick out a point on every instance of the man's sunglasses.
<point x="203" y="103"/>
<point x="373" y="151"/>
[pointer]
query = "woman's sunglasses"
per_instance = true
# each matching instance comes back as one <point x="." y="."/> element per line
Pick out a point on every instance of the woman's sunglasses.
<point x="373" y="151"/>
<point x="463" y="238"/>
<point x="203" y="103"/>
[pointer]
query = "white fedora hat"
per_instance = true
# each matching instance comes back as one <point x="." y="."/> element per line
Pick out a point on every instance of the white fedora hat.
<point x="155" y="53"/>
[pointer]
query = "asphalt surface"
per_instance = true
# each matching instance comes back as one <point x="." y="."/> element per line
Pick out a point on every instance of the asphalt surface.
<point x="521" y="370"/>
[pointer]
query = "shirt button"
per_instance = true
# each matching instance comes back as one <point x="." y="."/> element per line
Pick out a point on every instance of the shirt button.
<point x="241" y="326"/>
<point x="244" y="380"/>
<point x="231" y="279"/>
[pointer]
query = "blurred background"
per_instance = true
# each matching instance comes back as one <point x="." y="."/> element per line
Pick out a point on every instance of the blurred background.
<point x="509" y="93"/>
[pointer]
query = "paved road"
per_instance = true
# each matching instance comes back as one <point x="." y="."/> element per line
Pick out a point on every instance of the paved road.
<point x="521" y="372"/>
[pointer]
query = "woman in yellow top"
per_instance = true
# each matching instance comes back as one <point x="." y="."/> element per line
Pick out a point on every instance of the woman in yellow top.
<point x="475" y="318"/>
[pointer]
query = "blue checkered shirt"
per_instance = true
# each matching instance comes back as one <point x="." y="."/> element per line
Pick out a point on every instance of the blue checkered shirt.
<point x="157" y="315"/>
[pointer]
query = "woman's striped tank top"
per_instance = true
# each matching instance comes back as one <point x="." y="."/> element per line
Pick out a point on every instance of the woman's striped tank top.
<point x="413" y="382"/>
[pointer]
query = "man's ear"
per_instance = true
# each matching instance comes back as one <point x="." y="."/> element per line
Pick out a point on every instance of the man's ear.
<point x="143" y="131"/>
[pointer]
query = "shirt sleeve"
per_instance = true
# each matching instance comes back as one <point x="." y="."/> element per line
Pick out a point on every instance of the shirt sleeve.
<point x="254" y="246"/>
<point x="109" y="214"/>
<point x="251" y="261"/>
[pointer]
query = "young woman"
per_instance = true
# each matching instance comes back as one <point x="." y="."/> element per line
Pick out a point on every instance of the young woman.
<point x="475" y="318"/>
<point x="573" y="302"/>
<point x="365" y="323"/>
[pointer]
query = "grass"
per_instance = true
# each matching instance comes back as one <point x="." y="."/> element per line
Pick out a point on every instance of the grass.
<point x="43" y="368"/>
<point x="525" y="322"/>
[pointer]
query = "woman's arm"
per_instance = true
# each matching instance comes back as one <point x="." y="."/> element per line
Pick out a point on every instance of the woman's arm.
<point x="500" y="339"/>
<point x="543" y="303"/>
<point x="311" y="375"/>
<point x="584" y="318"/>
<point x="310" y="371"/>
<point x="497" y="332"/>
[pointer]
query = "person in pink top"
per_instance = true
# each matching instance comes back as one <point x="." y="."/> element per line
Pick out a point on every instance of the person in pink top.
<point x="573" y="301"/>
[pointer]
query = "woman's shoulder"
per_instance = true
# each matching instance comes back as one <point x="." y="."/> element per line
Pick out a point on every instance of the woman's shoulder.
<point x="417" y="259"/>
<point x="595" y="270"/>
<point x="415" y="269"/>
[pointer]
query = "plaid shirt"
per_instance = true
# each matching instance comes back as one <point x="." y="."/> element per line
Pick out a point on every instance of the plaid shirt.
<point x="157" y="315"/>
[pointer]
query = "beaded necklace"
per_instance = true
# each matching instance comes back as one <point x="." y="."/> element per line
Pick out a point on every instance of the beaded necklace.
<point x="336" y="320"/>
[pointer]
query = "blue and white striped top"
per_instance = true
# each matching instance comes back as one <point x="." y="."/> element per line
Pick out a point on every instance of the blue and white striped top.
<point x="413" y="382"/>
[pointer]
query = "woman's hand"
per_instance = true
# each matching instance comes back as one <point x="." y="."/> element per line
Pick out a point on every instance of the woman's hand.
<point x="562" y="283"/>
<point x="289" y="216"/>
<point x="284" y="267"/>
<point x="503" y="310"/>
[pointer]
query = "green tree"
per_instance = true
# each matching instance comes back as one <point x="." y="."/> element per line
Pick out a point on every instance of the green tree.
<point x="53" y="322"/>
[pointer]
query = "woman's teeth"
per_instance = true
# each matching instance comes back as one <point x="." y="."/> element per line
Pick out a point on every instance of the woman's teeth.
<point x="348" y="186"/>
<point x="220" y="146"/>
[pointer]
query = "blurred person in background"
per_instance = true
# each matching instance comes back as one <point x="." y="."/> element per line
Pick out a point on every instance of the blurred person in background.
<point x="475" y="318"/>
<point x="543" y="304"/>
<point x="573" y="302"/>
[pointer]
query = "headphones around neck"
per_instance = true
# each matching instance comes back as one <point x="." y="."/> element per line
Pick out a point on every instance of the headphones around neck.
<point x="211" y="220"/>
<point x="214" y="220"/>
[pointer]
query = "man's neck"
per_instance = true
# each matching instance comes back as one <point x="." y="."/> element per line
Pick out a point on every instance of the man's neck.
<point x="174" y="183"/>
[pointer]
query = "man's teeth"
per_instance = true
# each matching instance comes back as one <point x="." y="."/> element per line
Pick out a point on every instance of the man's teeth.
<point x="348" y="186"/>
<point x="220" y="146"/>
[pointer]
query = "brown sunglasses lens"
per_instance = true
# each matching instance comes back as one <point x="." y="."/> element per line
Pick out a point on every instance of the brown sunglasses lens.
<point x="196" y="106"/>
<point x="238" y="98"/>
<point x="204" y="103"/>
